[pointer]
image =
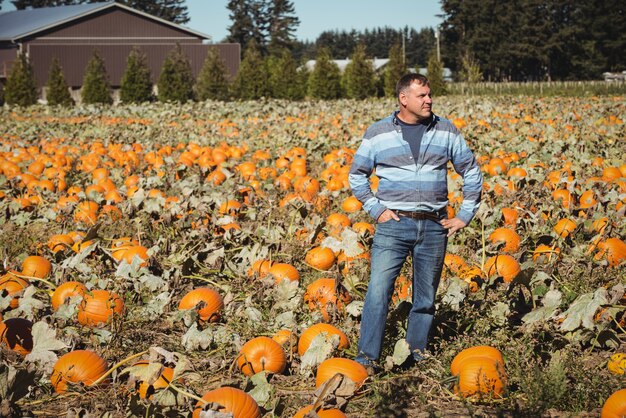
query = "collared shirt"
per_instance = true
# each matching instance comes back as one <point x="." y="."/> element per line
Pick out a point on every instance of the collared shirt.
<point x="409" y="184"/>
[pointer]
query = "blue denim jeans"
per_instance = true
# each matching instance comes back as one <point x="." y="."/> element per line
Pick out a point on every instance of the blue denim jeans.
<point x="426" y="241"/>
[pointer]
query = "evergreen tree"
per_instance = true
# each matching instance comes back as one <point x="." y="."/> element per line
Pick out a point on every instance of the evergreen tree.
<point x="435" y="76"/>
<point x="212" y="83"/>
<point x="282" y="25"/>
<point x="96" y="87"/>
<point x="35" y="4"/>
<point x="242" y="27"/>
<point x="252" y="79"/>
<point x="21" y="87"/>
<point x="360" y="81"/>
<point x="470" y="69"/>
<point x="171" y="10"/>
<point x="285" y="80"/>
<point x="136" y="83"/>
<point x="325" y="79"/>
<point x="57" y="90"/>
<point x="395" y="69"/>
<point x="176" y="80"/>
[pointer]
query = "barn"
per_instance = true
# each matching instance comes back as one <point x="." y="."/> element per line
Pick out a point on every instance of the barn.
<point x="72" y="33"/>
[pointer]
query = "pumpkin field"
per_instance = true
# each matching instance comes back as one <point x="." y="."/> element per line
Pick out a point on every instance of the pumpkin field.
<point x="208" y="259"/>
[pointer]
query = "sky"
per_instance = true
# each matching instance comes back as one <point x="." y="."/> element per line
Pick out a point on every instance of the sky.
<point x="316" y="16"/>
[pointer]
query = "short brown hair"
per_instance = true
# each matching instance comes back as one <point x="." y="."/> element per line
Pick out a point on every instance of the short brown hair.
<point x="406" y="80"/>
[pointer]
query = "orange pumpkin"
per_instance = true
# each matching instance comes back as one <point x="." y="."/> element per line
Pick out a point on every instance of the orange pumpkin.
<point x="614" y="249"/>
<point x="65" y="291"/>
<point x="286" y="339"/>
<point x="99" y="307"/>
<point x="564" y="227"/>
<point x="509" y="237"/>
<point x="615" y="405"/>
<point x="162" y="381"/>
<point x="323" y="294"/>
<point x="36" y="266"/>
<point x="78" y="366"/>
<point x="474" y="351"/>
<point x="261" y="268"/>
<point x="261" y="354"/>
<point x="320" y="258"/>
<point x="321" y="413"/>
<point x="281" y="271"/>
<point x="207" y="301"/>
<point x="544" y="253"/>
<point x="16" y="333"/>
<point x="351" y="204"/>
<point x="349" y="368"/>
<point x="312" y="331"/>
<point x="481" y="376"/>
<point x="11" y="284"/>
<point x="503" y="265"/>
<point x="230" y="400"/>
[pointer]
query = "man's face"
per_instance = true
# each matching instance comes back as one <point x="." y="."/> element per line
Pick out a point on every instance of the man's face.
<point x="417" y="100"/>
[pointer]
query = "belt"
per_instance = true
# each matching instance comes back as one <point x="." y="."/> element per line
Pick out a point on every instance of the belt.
<point x="418" y="215"/>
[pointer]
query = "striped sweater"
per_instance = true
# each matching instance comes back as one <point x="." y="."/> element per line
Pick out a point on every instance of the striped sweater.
<point x="405" y="184"/>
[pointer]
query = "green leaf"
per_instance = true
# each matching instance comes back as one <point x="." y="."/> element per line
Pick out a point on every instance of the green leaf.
<point x="551" y="302"/>
<point x="262" y="391"/>
<point x="582" y="310"/>
<point x="44" y="345"/>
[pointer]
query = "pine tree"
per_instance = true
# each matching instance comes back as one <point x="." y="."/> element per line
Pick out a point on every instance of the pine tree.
<point x="325" y="79"/>
<point x="285" y="81"/>
<point x="282" y="25"/>
<point x="212" y="83"/>
<point x="176" y="80"/>
<point x="136" y="84"/>
<point x="360" y="80"/>
<point x="242" y="27"/>
<point x="395" y="69"/>
<point x="251" y="81"/>
<point x="21" y="87"/>
<point x="170" y="10"/>
<point x="435" y="76"/>
<point x="57" y="90"/>
<point x="96" y="88"/>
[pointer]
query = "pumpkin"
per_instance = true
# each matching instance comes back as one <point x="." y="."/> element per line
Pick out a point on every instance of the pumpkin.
<point x="230" y="207"/>
<point x="349" y="368"/>
<point x="615" y="405"/>
<point x="261" y="354"/>
<point x="281" y="271"/>
<point x="312" y="331"/>
<point x="544" y="253"/>
<point x="320" y="258"/>
<point x="207" y="301"/>
<point x="564" y="227"/>
<point x="507" y="236"/>
<point x="335" y="222"/>
<point x="614" y="249"/>
<point x="128" y="253"/>
<point x="502" y="265"/>
<point x="363" y="228"/>
<point x="65" y="291"/>
<point x="481" y="376"/>
<point x="59" y="242"/>
<point x="454" y="263"/>
<point x="145" y="390"/>
<point x="286" y="339"/>
<point x="510" y="216"/>
<point x="11" y="284"/>
<point x="617" y="363"/>
<point x="321" y="413"/>
<point x="36" y="266"/>
<point x="78" y="366"/>
<point x="16" y="333"/>
<point x="260" y="267"/>
<point x="564" y="196"/>
<point x="99" y="307"/>
<point x="587" y="199"/>
<point x="323" y="294"/>
<point x="351" y="204"/>
<point x="231" y="401"/>
<point x="475" y="351"/>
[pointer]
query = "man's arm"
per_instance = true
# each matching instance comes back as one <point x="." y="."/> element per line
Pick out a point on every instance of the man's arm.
<point x="465" y="164"/>
<point x="360" y="171"/>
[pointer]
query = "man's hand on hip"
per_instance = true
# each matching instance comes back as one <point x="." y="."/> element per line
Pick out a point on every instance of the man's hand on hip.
<point x="452" y="225"/>
<point x="387" y="215"/>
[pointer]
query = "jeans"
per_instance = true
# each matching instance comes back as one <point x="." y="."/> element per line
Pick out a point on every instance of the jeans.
<point x="426" y="241"/>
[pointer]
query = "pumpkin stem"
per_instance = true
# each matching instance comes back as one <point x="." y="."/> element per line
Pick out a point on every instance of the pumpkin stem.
<point x="33" y="278"/>
<point x="187" y="394"/>
<point x="116" y="366"/>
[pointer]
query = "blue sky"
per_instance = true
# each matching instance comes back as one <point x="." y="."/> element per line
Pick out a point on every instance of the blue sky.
<point x="316" y="16"/>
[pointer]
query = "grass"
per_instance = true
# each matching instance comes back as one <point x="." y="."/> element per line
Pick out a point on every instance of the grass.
<point x="540" y="89"/>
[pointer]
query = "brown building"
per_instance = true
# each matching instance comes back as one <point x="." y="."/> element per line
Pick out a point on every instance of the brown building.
<point x="71" y="33"/>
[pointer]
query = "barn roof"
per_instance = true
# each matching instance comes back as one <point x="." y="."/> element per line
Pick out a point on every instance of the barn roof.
<point x="18" y="24"/>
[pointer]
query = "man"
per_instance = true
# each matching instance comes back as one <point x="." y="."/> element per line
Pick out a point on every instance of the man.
<point x="410" y="151"/>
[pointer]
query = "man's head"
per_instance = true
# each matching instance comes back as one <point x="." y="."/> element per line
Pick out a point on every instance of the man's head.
<point x="406" y="80"/>
<point x="413" y="92"/>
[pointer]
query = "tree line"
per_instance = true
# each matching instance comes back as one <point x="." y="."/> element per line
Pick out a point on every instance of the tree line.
<point x="273" y="76"/>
